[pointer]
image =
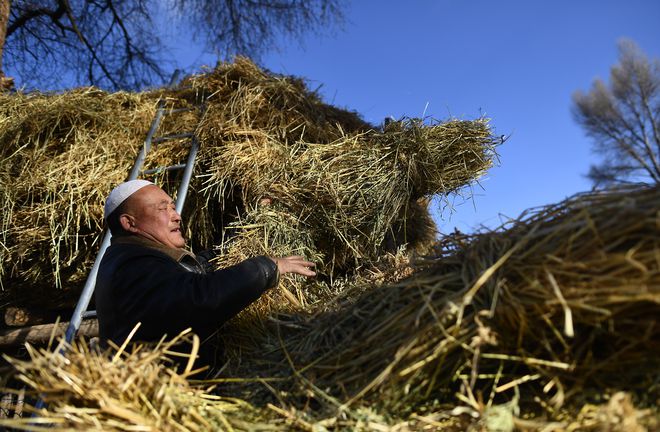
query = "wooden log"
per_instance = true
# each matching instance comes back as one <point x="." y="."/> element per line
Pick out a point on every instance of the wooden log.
<point x="42" y="333"/>
<point x="21" y="317"/>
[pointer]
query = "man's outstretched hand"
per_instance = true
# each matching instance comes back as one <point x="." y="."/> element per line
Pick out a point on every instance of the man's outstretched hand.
<point x="295" y="264"/>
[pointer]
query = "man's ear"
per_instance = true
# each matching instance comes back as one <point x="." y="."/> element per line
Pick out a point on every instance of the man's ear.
<point x="127" y="222"/>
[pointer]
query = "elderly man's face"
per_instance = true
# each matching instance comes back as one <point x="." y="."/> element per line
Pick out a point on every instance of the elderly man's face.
<point x="151" y="214"/>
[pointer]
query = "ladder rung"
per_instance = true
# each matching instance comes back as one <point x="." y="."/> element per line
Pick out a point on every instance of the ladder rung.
<point x="89" y="314"/>
<point x="173" y="137"/>
<point x="161" y="169"/>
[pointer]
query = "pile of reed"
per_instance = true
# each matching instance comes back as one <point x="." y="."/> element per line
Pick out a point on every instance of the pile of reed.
<point x="342" y="191"/>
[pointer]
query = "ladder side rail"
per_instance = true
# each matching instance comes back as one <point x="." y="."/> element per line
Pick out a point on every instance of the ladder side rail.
<point x="187" y="175"/>
<point x="139" y="160"/>
<point x="88" y="290"/>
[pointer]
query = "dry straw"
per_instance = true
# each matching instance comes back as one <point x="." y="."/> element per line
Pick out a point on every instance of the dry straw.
<point x="537" y="326"/>
<point x="559" y="307"/>
<point x="353" y="190"/>
<point x="136" y="390"/>
<point x="59" y="154"/>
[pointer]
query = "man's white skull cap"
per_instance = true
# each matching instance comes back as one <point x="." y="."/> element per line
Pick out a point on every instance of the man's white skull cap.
<point x="120" y="193"/>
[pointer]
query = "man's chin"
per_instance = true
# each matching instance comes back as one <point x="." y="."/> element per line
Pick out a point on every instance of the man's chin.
<point x="179" y="242"/>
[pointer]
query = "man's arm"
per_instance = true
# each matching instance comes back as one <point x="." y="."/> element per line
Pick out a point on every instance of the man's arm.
<point x="167" y="299"/>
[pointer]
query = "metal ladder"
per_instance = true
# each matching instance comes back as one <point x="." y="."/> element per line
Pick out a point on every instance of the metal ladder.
<point x="80" y="311"/>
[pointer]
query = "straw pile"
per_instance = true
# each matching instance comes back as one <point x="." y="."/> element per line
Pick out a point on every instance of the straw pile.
<point x="547" y="324"/>
<point x="559" y="308"/>
<point x="55" y="169"/>
<point x="352" y="191"/>
<point x="118" y="390"/>
<point x="287" y="172"/>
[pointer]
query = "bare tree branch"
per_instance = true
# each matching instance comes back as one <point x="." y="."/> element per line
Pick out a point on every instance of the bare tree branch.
<point x="116" y="43"/>
<point x="623" y="119"/>
<point x="249" y="27"/>
<point x="89" y="46"/>
<point x="30" y="14"/>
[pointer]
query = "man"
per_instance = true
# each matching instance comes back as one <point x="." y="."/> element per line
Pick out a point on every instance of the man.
<point x="147" y="275"/>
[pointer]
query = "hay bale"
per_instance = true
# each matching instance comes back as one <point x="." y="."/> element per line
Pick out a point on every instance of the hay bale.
<point x="352" y="188"/>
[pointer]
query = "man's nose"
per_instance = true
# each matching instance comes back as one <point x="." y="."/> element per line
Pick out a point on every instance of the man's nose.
<point x="176" y="217"/>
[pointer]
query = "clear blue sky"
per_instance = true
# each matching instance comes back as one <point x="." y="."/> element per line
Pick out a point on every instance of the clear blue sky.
<point x="516" y="61"/>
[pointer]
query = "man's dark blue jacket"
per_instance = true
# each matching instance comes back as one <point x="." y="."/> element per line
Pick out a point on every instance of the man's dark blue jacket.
<point x="168" y="290"/>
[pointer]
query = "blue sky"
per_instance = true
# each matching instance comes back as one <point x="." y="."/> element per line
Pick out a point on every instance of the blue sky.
<point x="517" y="62"/>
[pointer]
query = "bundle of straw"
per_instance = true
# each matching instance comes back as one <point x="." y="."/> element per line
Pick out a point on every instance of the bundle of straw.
<point x="353" y="191"/>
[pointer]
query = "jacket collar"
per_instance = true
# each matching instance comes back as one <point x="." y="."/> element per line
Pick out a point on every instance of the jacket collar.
<point x="176" y="254"/>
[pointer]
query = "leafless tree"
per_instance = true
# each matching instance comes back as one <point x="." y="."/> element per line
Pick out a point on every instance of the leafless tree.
<point x="623" y="119"/>
<point x="249" y="27"/>
<point x="119" y="44"/>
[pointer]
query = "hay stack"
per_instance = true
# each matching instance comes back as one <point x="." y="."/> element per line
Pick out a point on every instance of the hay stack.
<point x="341" y="190"/>
<point x="549" y="324"/>
<point x="59" y="154"/>
<point x="558" y="308"/>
